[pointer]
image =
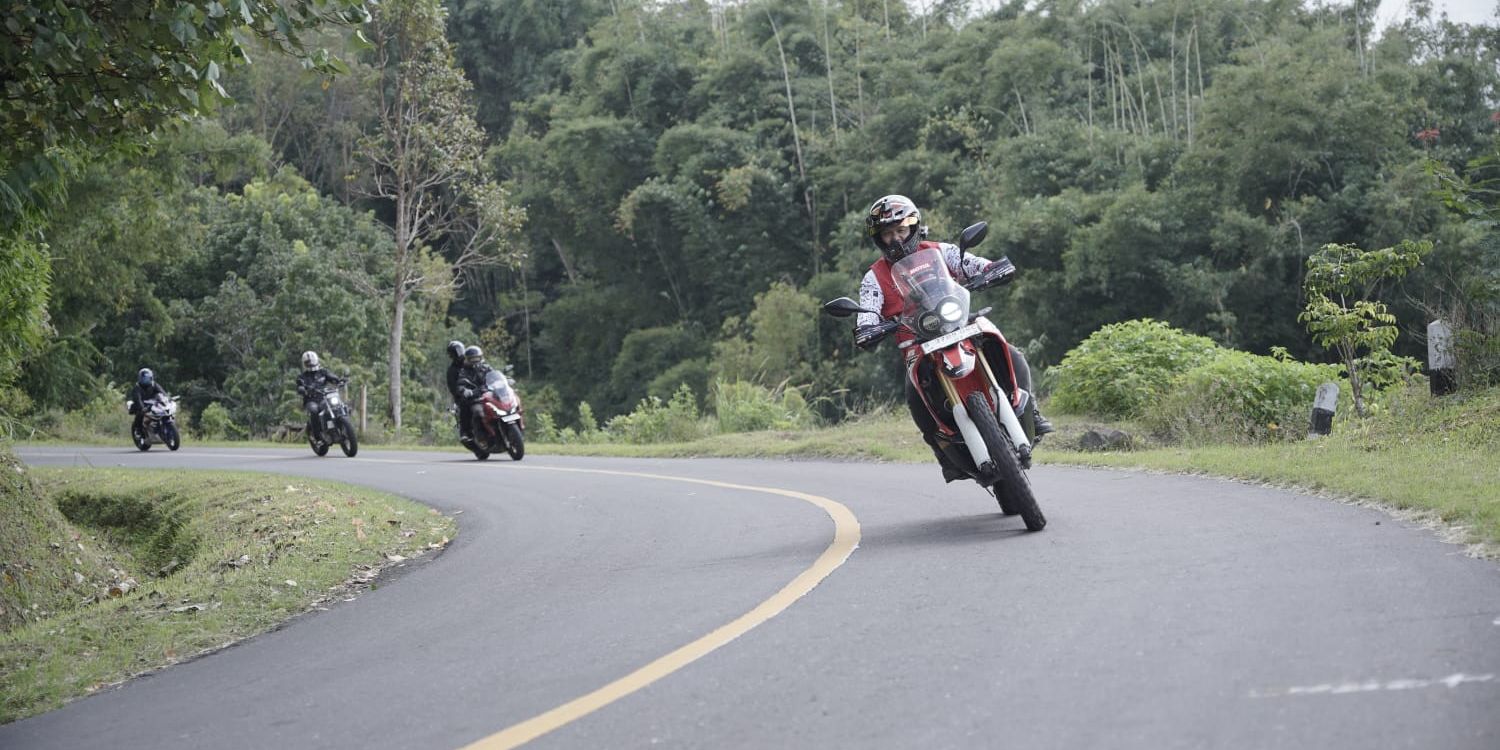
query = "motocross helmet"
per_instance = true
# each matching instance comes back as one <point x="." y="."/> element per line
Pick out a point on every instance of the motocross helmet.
<point x="456" y="350"/>
<point x="145" y="376"/>
<point x="894" y="211"/>
<point x="309" y="361"/>
<point x="473" y="355"/>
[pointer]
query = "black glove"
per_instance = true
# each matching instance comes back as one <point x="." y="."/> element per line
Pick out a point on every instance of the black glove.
<point x="997" y="272"/>
<point x="866" y="337"/>
<point x="466" y="393"/>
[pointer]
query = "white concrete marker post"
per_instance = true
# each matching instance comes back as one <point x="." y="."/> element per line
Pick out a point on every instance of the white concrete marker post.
<point x="1442" y="365"/>
<point x="1324" y="404"/>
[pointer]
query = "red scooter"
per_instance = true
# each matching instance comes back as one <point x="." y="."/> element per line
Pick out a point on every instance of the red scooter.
<point x="986" y="423"/>
<point x="498" y="424"/>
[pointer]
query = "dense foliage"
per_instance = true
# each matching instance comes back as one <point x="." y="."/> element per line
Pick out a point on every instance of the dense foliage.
<point x="1124" y="369"/>
<point x="693" y="176"/>
<point x="1240" y="396"/>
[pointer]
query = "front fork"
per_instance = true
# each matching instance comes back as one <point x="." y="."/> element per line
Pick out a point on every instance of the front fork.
<point x="1007" y="416"/>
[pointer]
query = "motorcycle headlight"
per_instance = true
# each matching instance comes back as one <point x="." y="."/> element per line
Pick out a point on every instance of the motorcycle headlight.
<point x="333" y="398"/>
<point x="930" y="322"/>
<point x="951" y="311"/>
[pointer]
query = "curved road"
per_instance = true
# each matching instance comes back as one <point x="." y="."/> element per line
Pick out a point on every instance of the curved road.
<point x="1154" y="612"/>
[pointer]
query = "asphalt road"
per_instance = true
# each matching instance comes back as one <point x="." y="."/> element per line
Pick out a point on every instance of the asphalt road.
<point x="1153" y="612"/>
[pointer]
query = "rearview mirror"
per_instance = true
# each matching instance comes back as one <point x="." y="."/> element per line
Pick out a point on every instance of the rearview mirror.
<point x="973" y="235"/>
<point x="843" y="307"/>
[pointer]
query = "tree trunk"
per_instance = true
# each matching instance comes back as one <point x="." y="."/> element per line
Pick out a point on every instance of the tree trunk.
<point x="791" y="110"/>
<point x="833" y="102"/>
<point x="567" y="264"/>
<point x="393" y="363"/>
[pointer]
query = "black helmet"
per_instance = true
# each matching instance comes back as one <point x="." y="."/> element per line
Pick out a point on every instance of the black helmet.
<point x="473" y="355"/>
<point x="145" y="376"/>
<point x="894" y="211"/>
<point x="456" y="350"/>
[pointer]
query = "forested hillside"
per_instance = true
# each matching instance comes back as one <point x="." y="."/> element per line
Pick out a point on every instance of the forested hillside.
<point x="619" y="197"/>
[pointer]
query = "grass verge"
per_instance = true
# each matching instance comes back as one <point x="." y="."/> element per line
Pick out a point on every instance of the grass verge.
<point x="112" y="573"/>
<point x="1435" y="456"/>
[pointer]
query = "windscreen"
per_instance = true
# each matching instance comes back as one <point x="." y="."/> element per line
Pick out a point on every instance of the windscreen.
<point x="933" y="303"/>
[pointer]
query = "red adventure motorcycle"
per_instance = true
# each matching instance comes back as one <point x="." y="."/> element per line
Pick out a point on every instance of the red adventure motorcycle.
<point x="961" y="365"/>
<point x="498" y="423"/>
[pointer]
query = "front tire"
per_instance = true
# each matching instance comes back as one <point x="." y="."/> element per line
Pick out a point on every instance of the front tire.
<point x="1013" y="488"/>
<point x="318" y="447"/>
<point x="350" y="443"/>
<point x="170" y="437"/>
<point x="138" y="436"/>
<point x="515" y="441"/>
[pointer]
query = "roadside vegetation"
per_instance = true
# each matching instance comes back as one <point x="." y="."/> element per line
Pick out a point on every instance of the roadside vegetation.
<point x="639" y="196"/>
<point x="106" y="574"/>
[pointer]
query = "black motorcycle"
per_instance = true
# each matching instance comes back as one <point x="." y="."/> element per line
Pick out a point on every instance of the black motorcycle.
<point x="158" y="425"/>
<point x="333" y="416"/>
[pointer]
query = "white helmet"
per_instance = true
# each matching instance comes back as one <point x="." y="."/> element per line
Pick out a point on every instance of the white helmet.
<point x="309" y="361"/>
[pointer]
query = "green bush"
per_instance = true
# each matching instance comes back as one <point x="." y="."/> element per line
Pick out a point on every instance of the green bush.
<point x="693" y="372"/>
<point x="747" y="407"/>
<point x="214" y="423"/>
<point x="104" y="416"/>
<point x="1241" y="397"/>
<point x="1122" y="369"/>
<point x="543" y="428"/>
<point x="652" y="421"/>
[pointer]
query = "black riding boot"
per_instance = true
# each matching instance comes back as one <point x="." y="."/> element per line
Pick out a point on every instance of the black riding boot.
<point x="1043" y="425"/>
<point x="465" y="432"/>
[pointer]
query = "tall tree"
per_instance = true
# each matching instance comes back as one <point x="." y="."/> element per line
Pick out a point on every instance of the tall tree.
<point x="77" y="77"/>
<point x="425" y="159"/>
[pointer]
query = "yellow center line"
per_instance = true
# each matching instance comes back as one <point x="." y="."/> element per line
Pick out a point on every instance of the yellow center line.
<point x="846" y="537"/>
<point x="845" y="540"/>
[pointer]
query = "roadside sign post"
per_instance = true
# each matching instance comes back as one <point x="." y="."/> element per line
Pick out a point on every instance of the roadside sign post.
<point x="1324" y="405"/>
<point x="1442" y="365"/>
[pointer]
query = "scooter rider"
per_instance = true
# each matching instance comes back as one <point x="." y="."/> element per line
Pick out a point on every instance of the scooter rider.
<point x="893" y="224"/>
<point x="471" y="377"/>
<point x="146" y="389"/>
<point x="310" y="385"/>
<point x="455" y="370"/>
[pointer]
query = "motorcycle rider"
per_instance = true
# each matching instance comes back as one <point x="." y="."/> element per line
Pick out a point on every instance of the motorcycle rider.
<point x="455" y="370"/>
<point x="146" y="389"/>
<point x="310" y="386"/>
<point x="893" y="224"/>
<point x="471" y="379"/>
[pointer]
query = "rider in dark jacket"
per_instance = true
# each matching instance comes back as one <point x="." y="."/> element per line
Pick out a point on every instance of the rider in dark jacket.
<point x="455" y="369"/>
<point x="310" y="385"/>
<point x="146" y="389"/>
<point x="471" y="378"/>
